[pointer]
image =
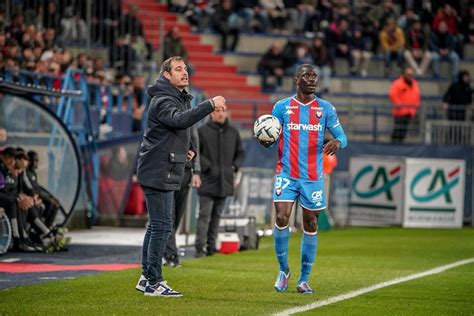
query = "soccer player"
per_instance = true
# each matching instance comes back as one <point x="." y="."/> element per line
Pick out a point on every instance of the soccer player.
<point x="299" y="172"/>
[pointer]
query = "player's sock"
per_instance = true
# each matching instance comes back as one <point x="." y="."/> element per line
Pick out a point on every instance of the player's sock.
<point x="281" y="237"/>
<point x="309" y="245"/>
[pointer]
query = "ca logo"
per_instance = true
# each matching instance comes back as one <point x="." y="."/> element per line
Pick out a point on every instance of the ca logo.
<point x="387" y="181"/>
<point x="438" y="176"/>
<point x="317" y="195"/>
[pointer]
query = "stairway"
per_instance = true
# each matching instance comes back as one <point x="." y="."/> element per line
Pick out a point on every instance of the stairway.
<point x="211" y="74"/>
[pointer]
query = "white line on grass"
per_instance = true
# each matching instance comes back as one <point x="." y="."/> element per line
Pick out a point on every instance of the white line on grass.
<point x="9" y="260"/>
<point x="374" y="287"/>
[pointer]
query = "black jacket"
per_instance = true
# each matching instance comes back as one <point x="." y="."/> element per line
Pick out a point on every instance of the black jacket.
<point x="8" y="187"/>
<point x="221" y="155"/>
<point x="459" y="93"/>
<point x="166" y="139"/>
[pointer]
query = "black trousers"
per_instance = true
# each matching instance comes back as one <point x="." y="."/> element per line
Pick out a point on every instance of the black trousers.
<point x="400" y="128"/>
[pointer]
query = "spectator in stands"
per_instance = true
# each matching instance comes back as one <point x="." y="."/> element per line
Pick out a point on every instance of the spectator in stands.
<point x="303" y="56"/>
<point x="52" y="18"/>
<point x="226" y="24"/>
<point x="458" y="97"/>
<point x="392" y="41"/>
<point x="379" y="15"/>
<point x="139" y="101"/>
<point x="173" y="45"/>
<point x="12" y="50"/>
<point x="16" y="27"/>
<point x="406" y="20"/>
<point x="74" y="30"/>
<point x="449" y="15"/>
<point x="122" y="55"/>
<point x="105" y="21"/>
<point x="130" y="24"/>
<point x="340" y="39"/>
<point x="276" y="12"/>
<point x="178" y="6"/>
<point x="298" y="13"/>
<point x="272" y="63"/>
<point x="370" y="32"/>
<point x="361" y="50"/>
<point x="322" y="61"/>
<point x="199" y="14"/>
<point x="416" y="53"/>
<point x="405" y="97"/>
<point x="28" y="38"/>
<point x="120" y="164"/>
<point x="442" y="45"/>
<point x="222" y="155"/>
<point x="320" y="18"/>
<point x="49" y="37"/>
<point x="191" y="178"/>
<point x="251" y="15"/>
<point x="467" y="26"/>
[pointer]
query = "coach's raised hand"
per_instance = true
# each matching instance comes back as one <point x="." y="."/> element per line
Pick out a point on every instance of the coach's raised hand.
<point x="218" y="102"/>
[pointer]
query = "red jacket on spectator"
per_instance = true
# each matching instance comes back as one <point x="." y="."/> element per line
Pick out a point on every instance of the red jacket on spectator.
<point x="405" y="97"/>
<point x="451" y="20"/>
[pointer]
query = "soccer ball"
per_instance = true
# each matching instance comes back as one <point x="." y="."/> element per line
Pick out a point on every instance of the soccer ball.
<point x="267" y="130"/>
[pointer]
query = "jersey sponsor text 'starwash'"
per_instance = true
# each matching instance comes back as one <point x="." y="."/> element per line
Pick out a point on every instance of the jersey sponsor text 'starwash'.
<point x="300" y="152"/>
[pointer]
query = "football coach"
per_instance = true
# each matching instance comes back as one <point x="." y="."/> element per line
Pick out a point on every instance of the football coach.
<point x="165" y="148"/>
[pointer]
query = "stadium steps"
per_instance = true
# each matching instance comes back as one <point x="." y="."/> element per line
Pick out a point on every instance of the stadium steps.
<point x="212" y="73"/>
<point x="370" y="85"/>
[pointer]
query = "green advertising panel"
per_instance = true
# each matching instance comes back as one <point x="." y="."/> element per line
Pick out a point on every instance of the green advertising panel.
<point x="376" y="191"/>
<point x="434" y="193"/>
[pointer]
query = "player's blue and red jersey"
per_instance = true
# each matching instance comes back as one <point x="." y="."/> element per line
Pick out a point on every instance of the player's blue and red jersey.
<point x="300" y="152"/>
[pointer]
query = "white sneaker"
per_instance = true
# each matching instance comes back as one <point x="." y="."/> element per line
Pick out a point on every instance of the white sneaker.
<point x="141" y="285"/>
<point x="161" y="289"/>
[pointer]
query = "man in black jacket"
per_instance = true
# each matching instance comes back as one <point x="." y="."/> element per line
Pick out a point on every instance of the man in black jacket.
<point x="458" y="97"/>
<point x="221" y="156"/>
<point x="163" y="153"/>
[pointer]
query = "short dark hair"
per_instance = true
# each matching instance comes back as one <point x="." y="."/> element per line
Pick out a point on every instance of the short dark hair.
<point x="301" y="69"/>
<point x="166" y="65"/>
<point x="21" y="153"/>
<point x="32" y="155"/>
<point x="9" y="152"/>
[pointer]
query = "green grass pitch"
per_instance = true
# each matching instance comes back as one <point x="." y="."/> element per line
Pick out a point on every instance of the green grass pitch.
<point x="242" y="284"/>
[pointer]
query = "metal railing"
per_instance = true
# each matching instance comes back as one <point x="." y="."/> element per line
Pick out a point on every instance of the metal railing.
<point x="375" y="122"/>
<point x="446" y="132"/>
<point x="106" y="99"/>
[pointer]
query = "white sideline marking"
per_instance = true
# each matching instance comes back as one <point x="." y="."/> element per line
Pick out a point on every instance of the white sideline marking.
<point x="9" y="260"/>
<point x="374" y="287"/>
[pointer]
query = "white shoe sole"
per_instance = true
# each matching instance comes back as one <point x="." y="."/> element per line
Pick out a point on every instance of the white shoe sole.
<point x="159" y="295"/>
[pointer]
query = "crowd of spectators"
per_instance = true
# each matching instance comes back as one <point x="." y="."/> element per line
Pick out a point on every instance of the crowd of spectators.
<point x="418" y="34"/>
<point x="40" y="38"/>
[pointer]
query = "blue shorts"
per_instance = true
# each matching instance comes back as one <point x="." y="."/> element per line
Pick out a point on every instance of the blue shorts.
<point x="310" y="194"/>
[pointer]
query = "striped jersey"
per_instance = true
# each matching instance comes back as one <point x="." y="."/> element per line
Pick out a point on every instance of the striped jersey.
<point x="300" y="151"/>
